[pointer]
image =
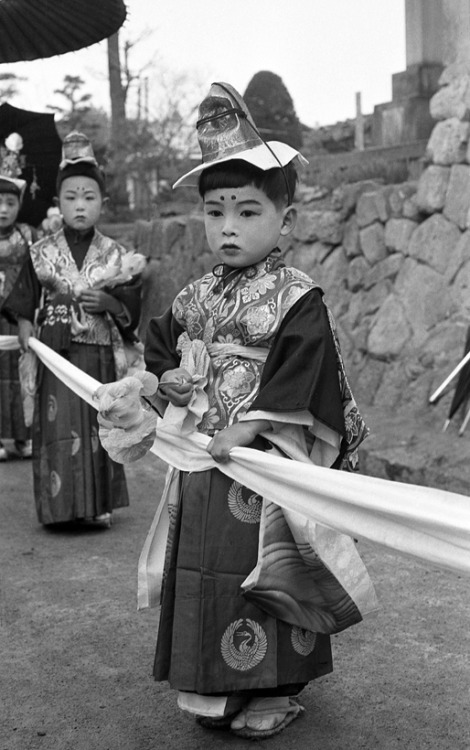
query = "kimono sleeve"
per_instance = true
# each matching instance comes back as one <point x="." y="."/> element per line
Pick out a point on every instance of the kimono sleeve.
<point x="301" y="371"/>
<point x="130" y="296"/>
<point x="160" y="345"/>
<point x="25" y="296"/>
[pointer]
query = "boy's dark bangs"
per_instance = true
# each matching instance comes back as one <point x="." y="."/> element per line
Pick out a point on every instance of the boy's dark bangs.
<point x="278" y="183"/>
<point x="235" y="173"/>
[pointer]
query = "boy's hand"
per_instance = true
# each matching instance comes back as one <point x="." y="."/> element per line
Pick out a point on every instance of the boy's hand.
<point x="25" y="330"/>
<point x="242" y="433"/>
<point x="96" y="301"/>
<point x="176" y="386"/>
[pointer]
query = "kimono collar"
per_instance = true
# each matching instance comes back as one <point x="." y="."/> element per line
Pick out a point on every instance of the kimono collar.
<point x="75" y="237"/>
<point x="230" y="277"/>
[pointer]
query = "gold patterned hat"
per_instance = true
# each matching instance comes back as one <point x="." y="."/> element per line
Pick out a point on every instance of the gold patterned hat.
<point x="78" y="159"/>
<point x="226" y="131"/>
<point x="76" y="147"/>
<point x="11" y="165"/>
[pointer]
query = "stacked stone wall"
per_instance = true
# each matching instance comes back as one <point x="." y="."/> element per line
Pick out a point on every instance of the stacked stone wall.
<point x="394" y="261"/>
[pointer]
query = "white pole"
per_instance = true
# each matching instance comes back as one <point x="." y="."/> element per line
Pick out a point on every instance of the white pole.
<point x="450" y="377"/>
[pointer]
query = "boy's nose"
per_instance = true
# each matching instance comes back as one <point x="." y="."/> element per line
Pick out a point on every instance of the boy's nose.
<point x="229" y="227"/>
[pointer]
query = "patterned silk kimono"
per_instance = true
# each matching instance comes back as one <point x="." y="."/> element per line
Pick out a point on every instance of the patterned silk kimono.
<point x="73" y="476"/>
<point x="273" y="355"/>
<point x="13" y="250"/>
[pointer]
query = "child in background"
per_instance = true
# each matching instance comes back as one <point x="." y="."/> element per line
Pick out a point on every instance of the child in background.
<point x="276" y="376"/>
<point x="89" y="306"/>
<point x="15" y="240"/>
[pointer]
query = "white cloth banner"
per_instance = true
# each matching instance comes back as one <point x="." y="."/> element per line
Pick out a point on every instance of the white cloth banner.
<point x="429" y="524"/>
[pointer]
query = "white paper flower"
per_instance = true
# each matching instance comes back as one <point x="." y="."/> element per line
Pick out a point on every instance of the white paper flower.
<point x="14" y="142"/>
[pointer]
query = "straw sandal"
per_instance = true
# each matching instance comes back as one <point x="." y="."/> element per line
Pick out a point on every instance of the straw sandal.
<point x="216" y="722"/>
<point x="222" y="722"/>
<point x="265" y="717"/>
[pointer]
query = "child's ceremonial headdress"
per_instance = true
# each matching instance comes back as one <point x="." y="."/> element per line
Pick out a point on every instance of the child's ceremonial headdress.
<point x="11" y="166"/>
<point x="78" y="158"/>
<point x="226" y="131"/>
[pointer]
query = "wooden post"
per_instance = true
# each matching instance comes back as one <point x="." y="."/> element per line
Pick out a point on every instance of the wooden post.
<point x="359" y="130"/>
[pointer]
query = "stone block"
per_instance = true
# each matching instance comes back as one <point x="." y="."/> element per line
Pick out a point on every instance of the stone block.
<point x="398" y="233"/>
<point x="432" y="189"/>
<point x="411" y="209"/>
<point x="345" y="197"/>
<point x="457" y="203"/>
<point x="325" y="226"/>
<point x="448" y="142"/>
<point x="367" y="209"/>
<point x="351" y="243"/>
<point x="304" y="259"/>
<point x="458" y="257"/>
<point x="460" y="290"/>
<point x="368" y="380"/>
<point x="332" y="274"/>
<point x="376" y="296"/>
<point x="372" y="242"/>
<point x="385" y="269"/>
<point x="452" y="100"/>
<point x="356" y="308"/>
<point x="423" y="294"/>
<point x="390" y="330"/>
<point x="307" y="257"/>
<point x="397" y="196"/>
<point x="434" y="241"/>
<point x="357" y="272"/>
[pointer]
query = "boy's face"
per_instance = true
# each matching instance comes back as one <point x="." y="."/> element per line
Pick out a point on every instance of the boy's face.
<point x="243" y="225"/>
<point x="9" y="209"/>
<point x="80" y="202"/>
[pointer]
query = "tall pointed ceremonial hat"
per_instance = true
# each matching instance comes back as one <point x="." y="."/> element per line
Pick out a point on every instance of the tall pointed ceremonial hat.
<point x="226" y="131"/>
<point x="11" y="166"/>
<point x="78" y="158"/>
<point x="76" y="147"/>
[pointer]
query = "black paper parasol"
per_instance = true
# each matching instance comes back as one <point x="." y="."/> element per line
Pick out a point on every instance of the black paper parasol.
<point x="42" y="150"/>
<point x="462" y="389"/>
<point x="32" y="29"/>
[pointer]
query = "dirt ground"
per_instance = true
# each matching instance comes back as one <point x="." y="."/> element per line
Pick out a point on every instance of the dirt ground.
<point x="76" y="656"/>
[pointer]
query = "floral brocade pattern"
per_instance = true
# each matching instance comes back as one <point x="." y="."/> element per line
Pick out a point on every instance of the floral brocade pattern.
<point x="249" y="315"/>
<point x="59" y="275"/>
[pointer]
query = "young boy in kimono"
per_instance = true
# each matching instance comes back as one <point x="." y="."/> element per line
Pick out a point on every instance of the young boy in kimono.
<point x="61" y="292"/>
<point x="238" y="658"/>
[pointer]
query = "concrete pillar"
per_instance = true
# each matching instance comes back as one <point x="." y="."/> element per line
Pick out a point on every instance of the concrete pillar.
<point x="456" y="32"/>
<point x="424" y="20"/>
<point x="406" y="118"/>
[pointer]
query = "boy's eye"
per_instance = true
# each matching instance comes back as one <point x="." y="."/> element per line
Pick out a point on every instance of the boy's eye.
<point x="248" y="212"/>
<point x="213" y="212"/>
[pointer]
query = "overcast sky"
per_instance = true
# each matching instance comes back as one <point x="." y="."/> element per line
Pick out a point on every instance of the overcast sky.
<point x="324" y="50"/>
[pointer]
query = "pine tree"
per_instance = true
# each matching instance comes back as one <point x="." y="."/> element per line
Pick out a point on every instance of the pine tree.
<point x="272" y="109"/>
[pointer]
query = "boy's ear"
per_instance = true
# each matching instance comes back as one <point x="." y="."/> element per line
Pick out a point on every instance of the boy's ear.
<point x="289" y="220"/>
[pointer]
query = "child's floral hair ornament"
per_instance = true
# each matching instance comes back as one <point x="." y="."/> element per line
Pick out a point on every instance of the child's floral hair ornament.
<point x="11" y="166"/>
<point x="226" y="130"/>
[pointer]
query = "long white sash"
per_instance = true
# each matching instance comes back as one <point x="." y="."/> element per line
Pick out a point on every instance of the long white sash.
<point x="430" y="524"/>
